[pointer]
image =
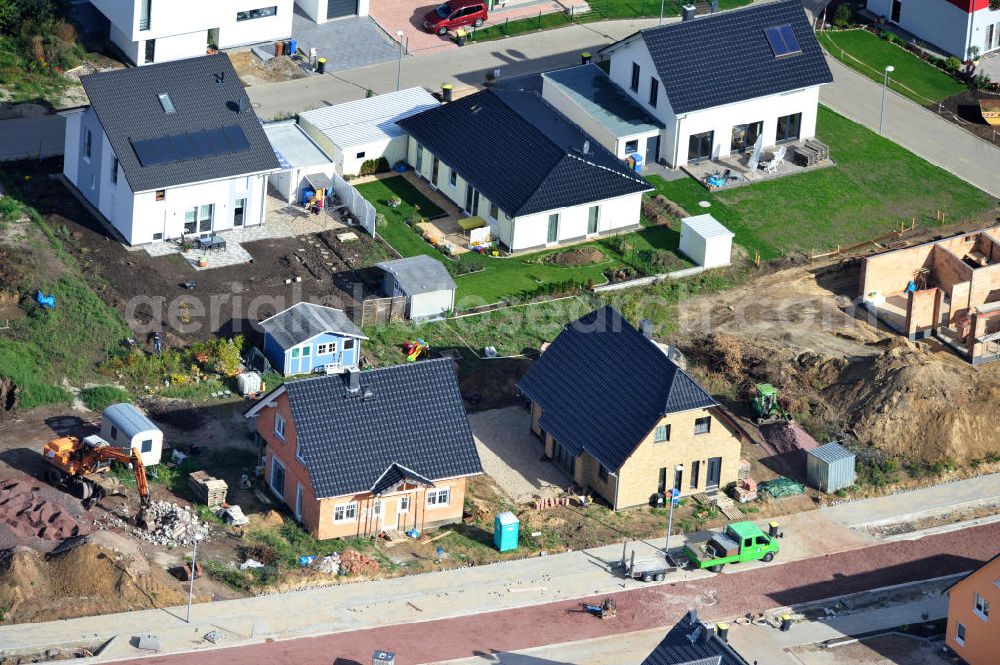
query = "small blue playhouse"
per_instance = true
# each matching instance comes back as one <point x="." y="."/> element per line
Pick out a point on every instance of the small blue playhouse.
<point x="309" y="338"/>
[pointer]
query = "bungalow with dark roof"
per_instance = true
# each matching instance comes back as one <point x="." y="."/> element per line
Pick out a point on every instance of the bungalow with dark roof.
<point x="717" y="83"/>
<point x="617" y="415"/>
<point x="170" y="150"/>
<point x="361" y="453"/>
<point x="533" y="176"/>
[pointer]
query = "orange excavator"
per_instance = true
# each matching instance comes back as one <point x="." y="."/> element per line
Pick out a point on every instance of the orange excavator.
<point x="81" y="467"/>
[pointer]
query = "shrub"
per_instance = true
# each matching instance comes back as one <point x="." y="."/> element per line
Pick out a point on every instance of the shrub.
<point x="100" y="397"/>
<point x="952" y="64"/>
<point x="843" y="16"/>
<point x="10" y="209"/>
<point x="380" y="221"/>
<point x="370" y="166"/>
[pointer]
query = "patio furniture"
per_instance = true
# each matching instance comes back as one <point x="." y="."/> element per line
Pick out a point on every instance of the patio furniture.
<point x="771" y="166"/>
<point x="212" y="243"/>
<point x="470" y="223"/>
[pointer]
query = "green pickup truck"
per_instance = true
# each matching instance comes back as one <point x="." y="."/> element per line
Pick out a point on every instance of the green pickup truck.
<point x="741" y="541"/>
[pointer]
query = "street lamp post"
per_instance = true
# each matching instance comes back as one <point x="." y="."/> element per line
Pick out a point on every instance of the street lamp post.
<point x="399" y="67"/>
<point x="194" y="569"/>
<point x="885" y="84"/>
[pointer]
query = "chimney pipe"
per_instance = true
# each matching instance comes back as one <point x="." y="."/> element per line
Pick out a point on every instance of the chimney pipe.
<point x="705" y="635"/>
<point x="353" y="381"/>
<point x="646" y="327"/>
<point x="688" y="12"/>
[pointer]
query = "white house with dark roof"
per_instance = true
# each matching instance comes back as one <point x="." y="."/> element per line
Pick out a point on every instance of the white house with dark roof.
<point x="150" y="31"/>
<point x="719" y="82"/>
<point x="170" y="150"/>
<point x="533" y="176"/>
<point x="954" y="26"/>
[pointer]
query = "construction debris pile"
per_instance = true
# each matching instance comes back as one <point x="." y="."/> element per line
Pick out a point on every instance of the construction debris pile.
<point x="356" y="563"/>
<point x="166" y="523"/>
<point x="35" y="515"/>
<point x="328" y="564"/>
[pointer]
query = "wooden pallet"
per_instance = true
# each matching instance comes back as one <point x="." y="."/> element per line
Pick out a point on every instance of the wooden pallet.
<point x="729" y="509"/>
<point x="394" y="536"/>
<point x="701" y="499"/>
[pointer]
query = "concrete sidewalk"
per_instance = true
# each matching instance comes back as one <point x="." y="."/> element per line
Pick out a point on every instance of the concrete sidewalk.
<point x="920" y="131"/>
<point x="429" y="596"/>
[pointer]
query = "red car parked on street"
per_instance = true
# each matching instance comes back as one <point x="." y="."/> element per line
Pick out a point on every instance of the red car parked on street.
<point x="455" y="14"/>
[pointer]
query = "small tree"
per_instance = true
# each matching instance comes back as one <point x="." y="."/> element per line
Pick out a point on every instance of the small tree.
<point x="842" y="17"/>
<point x="380" y="221"/>
<point x="952" y="64"/>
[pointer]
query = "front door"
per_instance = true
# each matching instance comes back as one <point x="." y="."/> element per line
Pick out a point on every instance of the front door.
<point x="714" y="472"/>
<point x="652" y="149"/>
<point x="553" y="234"/>
<point x="700" y="146"/>
<point x="298" y="502"/>
<point x="563" y="459"/>
<point x="897" y="7"/>
<point x="238" y="208"/>
<point x="435" y="167"/>
<point x="471" y="200"/>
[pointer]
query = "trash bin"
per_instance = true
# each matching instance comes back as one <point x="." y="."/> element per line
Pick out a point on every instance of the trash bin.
<point x="585" y="58"/>
<point x="446" y="92"/>
<point x="279" y="48"/>
<point x="321" y="66"/>
<point x="306" y="195"/>
<point x="293" y="46"/>
<point x="505" y="531"/>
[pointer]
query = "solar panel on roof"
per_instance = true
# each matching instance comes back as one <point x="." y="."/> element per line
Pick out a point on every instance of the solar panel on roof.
<point x="237" y="139"/>
<point x="154" y="151"/>
<point x="199" y="144"/>
<point x="182" y="146"/>
<point x="782" y="40"/>
<point x="216" y="140"/>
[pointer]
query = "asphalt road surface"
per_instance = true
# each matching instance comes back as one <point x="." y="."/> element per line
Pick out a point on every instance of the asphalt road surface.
<point x="719" y="597"/>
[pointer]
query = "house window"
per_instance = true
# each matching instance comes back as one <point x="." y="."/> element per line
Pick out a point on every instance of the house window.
<point x="345" y="512"/>
<point x="348" y="344"/>
<point x="661" y="483"/>
<point x="114" y="170"/>
<point x="404" y="505"/>
<point x="982" y="608"/>
<point x="279" y="426"/>
<point x="157" y="236"/>
<point x="654" y="91"/>
<point x="494" y="211"/>
<point x="239" y="206"/>
<point x="437" y="498"/>
<point x="695" y="473"/>
<point x="789" y="127"/>
<point x="166" y="103"/>
<point x="661" y="434"/>
<point x="631" y="146"/>
<point x="88" y="144"/>
<point x="277" y="477"/>
<point x="593" y="219"/>
<point x="144" y="12"/>
<point x="703" y="425"/>
<point x="251" y="14"/>
<point x="960" y="633"/>
<point x="114" y="433"/>
<point x="190" y="219"/>
<point x="678" y="477"/>
<point x="360" y="155"/>
<point x="150" y="54"/>
<point x="452" y="177"/>
<point x="324" y="349"/>
<point x="602" y="473"/>
<point x="146" y="446"/>
<point x="306" y="350"/>
<point x="635" y="76"/>
<point x="298" y="451"/>
<point x="161" y="194"/>
<point x="295" y="353"/>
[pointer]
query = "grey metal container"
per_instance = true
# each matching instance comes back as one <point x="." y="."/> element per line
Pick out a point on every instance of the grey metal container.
<point x="830" y="467"/>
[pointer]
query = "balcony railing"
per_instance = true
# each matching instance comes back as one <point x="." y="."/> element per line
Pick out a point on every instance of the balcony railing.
<point x="144" y="24"/>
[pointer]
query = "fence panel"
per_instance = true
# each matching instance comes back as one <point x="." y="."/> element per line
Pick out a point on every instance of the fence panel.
<point x="362" y="209"/>
<point x="380" y="311"/>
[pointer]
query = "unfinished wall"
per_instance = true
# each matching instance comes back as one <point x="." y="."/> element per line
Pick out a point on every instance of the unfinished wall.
<point x="959" y="301"/>
<point x="889" y="273"/>
<point x="985" y="285"/>
<point x="949" y="270"/>
<point x="923" y="312"/>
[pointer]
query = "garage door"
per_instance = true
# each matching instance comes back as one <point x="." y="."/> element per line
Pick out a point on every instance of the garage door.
<point x="341" y="8"/>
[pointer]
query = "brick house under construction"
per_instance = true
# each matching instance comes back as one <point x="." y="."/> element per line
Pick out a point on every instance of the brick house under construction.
<point x="365" y="452"/>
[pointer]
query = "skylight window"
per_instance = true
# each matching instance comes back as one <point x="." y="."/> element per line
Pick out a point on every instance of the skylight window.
<point x="167" y="103"/>
<point x="782" y="40"/>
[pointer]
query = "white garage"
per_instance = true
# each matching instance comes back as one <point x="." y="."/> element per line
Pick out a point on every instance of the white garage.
<point x="706" y="242"/>
<point x="365" y="129"/>
<point x="299" y="158"/>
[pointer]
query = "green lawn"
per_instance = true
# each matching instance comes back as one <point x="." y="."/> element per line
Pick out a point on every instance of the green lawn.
<point x="600" y="10"/>
<point x="875" y="185"/>
<point x="652" y="249"/>
<point x="925" y="83"/>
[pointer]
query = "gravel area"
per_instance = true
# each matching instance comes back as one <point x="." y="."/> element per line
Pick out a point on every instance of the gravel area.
<point x="512" y="455"/>
<point x="881" y="650"/>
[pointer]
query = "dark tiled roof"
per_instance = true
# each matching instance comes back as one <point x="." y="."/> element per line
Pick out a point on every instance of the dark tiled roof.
<point x="677" y="648"/>
<point x="304" y="321"/>
<point x="725" y="58"/>
<point x="520" y="153"/>
<point x="127" y="105"/>
<point x="415" y="418"/>
<point x="603" y="386"/>
<point x="394" y="476"/>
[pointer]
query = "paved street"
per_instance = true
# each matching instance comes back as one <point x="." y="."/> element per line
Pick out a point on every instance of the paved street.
<point x="716" y="597"/>
<point x="925" y="134"/>
<point x="32" y="137"/>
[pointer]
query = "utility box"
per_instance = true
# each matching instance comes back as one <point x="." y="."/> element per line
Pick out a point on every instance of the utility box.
<point x="830" y="467"/>
<point x="383" y="658"/>
<point x="505" y="531"/>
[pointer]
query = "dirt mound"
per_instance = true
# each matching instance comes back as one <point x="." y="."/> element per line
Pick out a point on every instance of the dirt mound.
<point x="37" y="515"/>
<point x="180" y="414"/>
<point x="786" y="438"/>
<point x="87" y="579"/>
<point x="353" y="562"/>
<point x="583" y="256"/>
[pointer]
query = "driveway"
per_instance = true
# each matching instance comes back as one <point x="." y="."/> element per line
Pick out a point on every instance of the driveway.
<point x="512" y="455"/>
<point x="345" y="43"/>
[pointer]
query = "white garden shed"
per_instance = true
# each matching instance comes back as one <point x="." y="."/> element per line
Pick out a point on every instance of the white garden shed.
<point x="125" y="427"/>
<point x="425" y="281"/>
<point x="706" y="242"/>
<point x="365" y="129"/>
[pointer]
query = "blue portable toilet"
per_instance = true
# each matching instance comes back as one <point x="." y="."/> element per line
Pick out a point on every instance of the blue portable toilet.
<point x="505" y="530"/>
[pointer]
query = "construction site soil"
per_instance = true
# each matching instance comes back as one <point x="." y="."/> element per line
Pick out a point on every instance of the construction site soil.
<point x="840" y="374"/>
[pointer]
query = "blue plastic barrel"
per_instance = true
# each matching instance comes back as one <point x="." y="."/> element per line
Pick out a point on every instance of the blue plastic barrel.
<point x="306" y="195"/>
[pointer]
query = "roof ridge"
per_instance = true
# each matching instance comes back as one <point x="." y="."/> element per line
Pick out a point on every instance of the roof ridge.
<point x="629" y="176"/>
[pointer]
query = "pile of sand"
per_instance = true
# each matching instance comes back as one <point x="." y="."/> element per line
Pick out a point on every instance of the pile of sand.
<point x="84" y="580"/>
<point x="37" y="515"/>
